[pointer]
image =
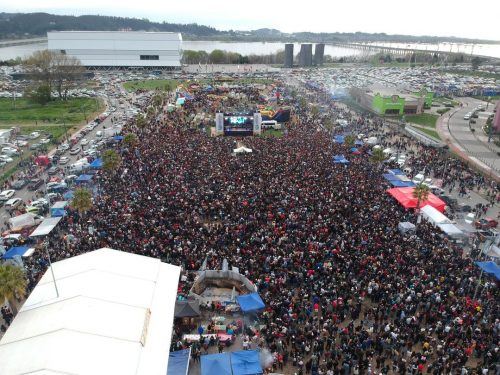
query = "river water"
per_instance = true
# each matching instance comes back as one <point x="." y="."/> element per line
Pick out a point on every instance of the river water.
<point x="265" y="48"/>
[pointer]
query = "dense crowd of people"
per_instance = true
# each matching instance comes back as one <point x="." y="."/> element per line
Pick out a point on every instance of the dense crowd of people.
<point x="345" y="291"/>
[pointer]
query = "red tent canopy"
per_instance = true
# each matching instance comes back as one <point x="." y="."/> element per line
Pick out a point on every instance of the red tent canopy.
<point x="404" y="196"/>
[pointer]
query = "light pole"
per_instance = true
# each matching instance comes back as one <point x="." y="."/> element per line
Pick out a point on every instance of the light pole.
<point x="46" y="246"/>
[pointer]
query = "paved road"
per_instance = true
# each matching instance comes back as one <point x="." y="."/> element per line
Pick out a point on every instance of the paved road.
<point x="26" y="195"/>
<point x="471" y="146"/>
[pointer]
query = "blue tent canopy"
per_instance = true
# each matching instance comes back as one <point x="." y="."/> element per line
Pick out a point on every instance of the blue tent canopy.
<point x="246" y="362"/>
<point x="118" y="138"/>
<point x="216" y="364"/>
<point x="58" y="212"/>
<point x="359" y="142"/>
<point x="399" y="183"/>
<point x="340" y="159"/>
<point x="490" y="267"/>
<point x="84" y="178"/>
<point x="178" y="362"/>
<point x="339" y="139"/>
<point x="97" y="163"/>
<point x="250" y="302"/>
<point x="68" y="195"/>
<point x="396" y="172"/>
<point x="390" y="177"/>
<point x="19" y="250"/>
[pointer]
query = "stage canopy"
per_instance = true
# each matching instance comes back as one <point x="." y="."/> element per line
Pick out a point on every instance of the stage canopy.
<point x="250" y="302"/>
<point x="178" y="362"/>
<point x="399" y="183"/>
<point x="404" y="196"/>
<point x="490" y="267"/>
<point x="391" y="177"/>
<point x="396" y="172"/>
<point x="46" y="226"/>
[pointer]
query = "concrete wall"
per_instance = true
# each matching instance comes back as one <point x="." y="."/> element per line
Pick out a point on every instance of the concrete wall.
<point x="319" y="52"/>
<point x="288" y="55"/>
<point x="305" y="58"/>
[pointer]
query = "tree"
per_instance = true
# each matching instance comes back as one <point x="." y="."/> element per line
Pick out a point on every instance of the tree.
<point x="350" y="139"/>
<point x="217" y="56"/>
<point x="141" y="122"/>
<point x="38" y="94"/>
<point x="130" y="139"/>
<point x="12" y="283"/>
<point x="110" y="160"/>
<point x="420" y="193"/>
<point x="476" y="61"/>
<point x="55" y="70"/>
<point x="157" y="101"/>
<point x="378" y="156"/>
<point x="82" y="200"/>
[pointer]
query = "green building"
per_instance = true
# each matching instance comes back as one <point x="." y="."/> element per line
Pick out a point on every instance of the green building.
<point x="388" y="105"/>
<point x="427" y="95"/>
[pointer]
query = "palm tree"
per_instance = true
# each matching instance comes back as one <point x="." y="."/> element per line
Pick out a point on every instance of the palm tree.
<point x="350" y="139"/>
<point x="82" y="200"/>
<point x="157" y="101"/>
<point x="378" y="156"/>
<point x="130" y="139"/>
<point x="421" y="193"/>
<point x="141" y="122"/>
<point x="12" y="283"/>
<point x="110" y="160"/>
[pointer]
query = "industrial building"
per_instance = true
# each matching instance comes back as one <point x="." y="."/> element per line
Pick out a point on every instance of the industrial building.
<point x="305" y="58"/>
<point x="119" y="50"/>
<point x="386" y="101"/>
<point x="288" y="55"/>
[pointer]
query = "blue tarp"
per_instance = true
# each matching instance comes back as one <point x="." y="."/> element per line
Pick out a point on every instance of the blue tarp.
<point x="246" y="362"/>
<point x="399" y="183"/>
<point x="97" y="163"/>
<point x="84" y="178"/>
<point x="118" y="138"/>
<point x="339" y="139"/>
<point x="490" y="267"/>
<point x="340" y="159"/>
<point x="19" y="250"/>
<point x="359" y="142"/>
<point x="250" y="302"/>
<point x="178" y="362"/>
<point x="390" y="177"/>
<point x="58" y="212"/>
<point x="396" y="172"/>
<point x="216" y="364"/>
<point x="68" y="195"/>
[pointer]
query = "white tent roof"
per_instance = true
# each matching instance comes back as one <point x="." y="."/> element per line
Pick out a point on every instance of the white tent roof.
<point x="46" y="226"/>
<point x="114" y="315"/>
<point x="242" y="149"/>
<point x="432" y="214"/>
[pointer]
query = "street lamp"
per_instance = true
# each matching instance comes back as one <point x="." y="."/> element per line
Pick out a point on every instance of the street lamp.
<point x="46" y="247"/>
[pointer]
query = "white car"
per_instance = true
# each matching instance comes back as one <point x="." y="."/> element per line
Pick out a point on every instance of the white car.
<point x="6" y="195"/>
<point x="64" y="147"/>
<point x="84" y="142"/>
<point x="10" y="151"/>
<point x="44" y="141"/>
<point x="40" y="202"/>
<point x="64" y="160"/>
<point x="6" y="158"/>
<point x="21" y="143"/>
<point x="34" y="135"/>
<point x="90" y="152"/>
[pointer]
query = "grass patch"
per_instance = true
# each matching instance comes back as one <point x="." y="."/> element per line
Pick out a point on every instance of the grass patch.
<point x="269" y="133"/>
<point x="170" y="84"/>
<point x="9" y="172"/>
<point x="442" y="110"/>
<point x="444" y="101"/>
<point x="486" y="98"/>
<point x="430" y="132"/>
<point x="73" y="111"/>
<point x="424" y="119"/>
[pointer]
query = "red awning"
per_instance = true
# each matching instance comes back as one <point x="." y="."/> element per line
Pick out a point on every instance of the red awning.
<point x="405" y="197"/>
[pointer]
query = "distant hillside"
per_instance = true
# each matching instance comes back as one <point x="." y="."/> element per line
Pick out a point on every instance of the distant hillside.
<point x="25" y="25"/>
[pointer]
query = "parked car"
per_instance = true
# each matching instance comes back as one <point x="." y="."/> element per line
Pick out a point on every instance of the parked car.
<point x="44" y="141"/>
<point x="6" y="195"/>
<point x="53" y="170"/>
<point x="75" y="150"/>
<point x="6" y="158"/>
<point x="19" y="184"/>
<point x="10" y="151"/>
<point x="64" y="146"/>
<point x="34" y="135"/>
<point x="63" y="160"/>
<point x="84" y="141"/>
<point x="13" y="203"/>
<point x="486" y="223"/>
<point x="35" y="184"/>
<point x="35" y="146"/>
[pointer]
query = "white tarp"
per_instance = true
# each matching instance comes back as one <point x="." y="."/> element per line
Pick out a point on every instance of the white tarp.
<point x="434" y="216"/>
<point x="46" y="226"/>
<point x="452" y="231"/>
<point x="114" y="315"/>
<point x="242" y="149"/>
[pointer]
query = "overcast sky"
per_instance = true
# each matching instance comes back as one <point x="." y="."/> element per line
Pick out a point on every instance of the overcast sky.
<point x="479" y="19"/>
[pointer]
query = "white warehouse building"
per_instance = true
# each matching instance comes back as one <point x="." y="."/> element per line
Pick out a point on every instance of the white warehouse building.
<point x="120" y="49"/>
